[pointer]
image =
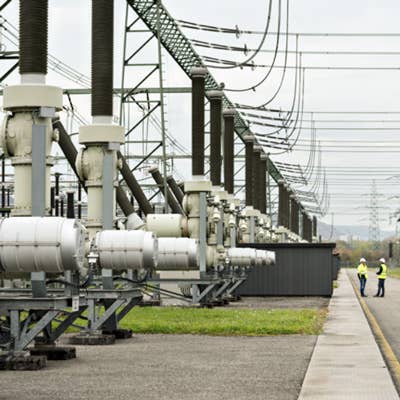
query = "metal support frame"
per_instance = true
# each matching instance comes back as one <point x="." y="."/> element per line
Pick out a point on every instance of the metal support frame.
<point x="201" y="292"/>
<point x="220" y="291"/>
<point x="252" y="229"/>
<point x="220" y="228"/>
<point x="108" y="319"/>
<point x="108" y="188"/>
<point x="38" y="170"/>
<point x="21" y="335"/>
<point x="233" y="234"/>
<point x="119" y="303"/>
<point x="203" y="232"/>
<point x="42" y="313"/>
<point x="231" y="290"/>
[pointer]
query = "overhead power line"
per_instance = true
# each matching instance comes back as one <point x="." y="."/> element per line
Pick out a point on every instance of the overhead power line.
<point x="236" y="31"/>
<point x="261" y="44"/>
<point x="244" y="49"/>
<point x="233" y="64"/>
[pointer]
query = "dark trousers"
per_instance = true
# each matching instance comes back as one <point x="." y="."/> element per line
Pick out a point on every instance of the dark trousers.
<point x="363" y="281"/>
<point x="381" y="287"/>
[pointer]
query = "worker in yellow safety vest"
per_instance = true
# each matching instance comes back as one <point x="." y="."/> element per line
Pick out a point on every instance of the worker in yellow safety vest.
<point x="362" y="273"/>
<point x="382" y="274"/>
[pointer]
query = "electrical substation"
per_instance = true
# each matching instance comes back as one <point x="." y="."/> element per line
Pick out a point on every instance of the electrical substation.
<point x="198" y="243"/>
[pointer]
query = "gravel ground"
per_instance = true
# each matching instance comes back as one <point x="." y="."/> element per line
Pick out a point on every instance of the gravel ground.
<point x="282" y="302"/>
<point x="169" y="367"/>
<point x="266" y="302"/>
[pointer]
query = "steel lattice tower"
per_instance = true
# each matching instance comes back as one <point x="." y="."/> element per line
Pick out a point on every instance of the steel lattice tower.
<point x="374" y="231"/>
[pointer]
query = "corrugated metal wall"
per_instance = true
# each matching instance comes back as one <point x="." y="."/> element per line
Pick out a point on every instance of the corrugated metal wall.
<point x="336" y="266"/>
<point x="302" y="269"/>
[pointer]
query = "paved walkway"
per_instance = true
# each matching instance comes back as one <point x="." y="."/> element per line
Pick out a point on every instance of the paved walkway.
<point x="347" y="363"/>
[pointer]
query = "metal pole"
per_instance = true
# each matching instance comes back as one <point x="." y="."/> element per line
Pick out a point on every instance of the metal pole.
<point x="3" y="180"/>
<point x="38" y="170"/>
<point x="62" y="205"/>
<point x="249" y="143"/>
<point x="263" y="180"/>
<point x="57" y="202"/>
<point x="281" y="203"/>
<point x="79" y="201"/>
<point x="70" y="205"/>
<point x="52" y="198"/>
<point x="160" y="75"/>
<point x="123" y="64"/>
<point x="203" y="233"/>
<point x="256" y="177"/>
<point x="215" y="97"/>
<point x="268" y="183"/>
<point x="229" y="166"/>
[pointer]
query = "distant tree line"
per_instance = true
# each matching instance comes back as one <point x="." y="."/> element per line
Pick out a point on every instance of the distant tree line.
<point x="351" y="252"/>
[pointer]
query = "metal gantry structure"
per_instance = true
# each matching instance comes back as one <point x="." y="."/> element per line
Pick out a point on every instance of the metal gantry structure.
<point x="146" y="129"/>
<point x="185" y="55"/>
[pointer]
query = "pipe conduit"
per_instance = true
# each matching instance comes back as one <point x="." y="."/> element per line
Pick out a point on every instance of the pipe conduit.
<point x="176" y="190"/>
<point x="134" y="186"/>
<point x="172" y="202"/>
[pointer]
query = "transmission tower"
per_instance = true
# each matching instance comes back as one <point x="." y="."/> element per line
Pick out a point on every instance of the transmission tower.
<point x="374" y="231"/>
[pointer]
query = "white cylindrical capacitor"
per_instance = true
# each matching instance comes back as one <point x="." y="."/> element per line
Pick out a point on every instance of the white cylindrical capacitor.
<point x="265" y="258"/>
<point x="246" y="256"/>
<point x="165" y="225"/>
<point x="122" y="250"/>
<point x="178" y="254"/>
<point x="49" y="244"/>
<point x="242" y="256"/>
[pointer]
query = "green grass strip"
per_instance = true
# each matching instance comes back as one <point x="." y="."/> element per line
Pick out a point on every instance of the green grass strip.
<point x="394" y="272"/>
<point x="224" y="322"/>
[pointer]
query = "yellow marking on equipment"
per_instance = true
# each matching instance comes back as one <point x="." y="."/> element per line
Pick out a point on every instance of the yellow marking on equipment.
<point x="386" y="349"/>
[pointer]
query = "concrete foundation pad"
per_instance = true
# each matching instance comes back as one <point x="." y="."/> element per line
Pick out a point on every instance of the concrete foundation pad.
<point x="150" y="303"/>
<point x="232" y="298"/>
<point x="119" y="333"/>
<point x="54" y="352"/>
<point x="22" y="363"/>
<point x="97" y="339"/>
<point x="218" y="302"/>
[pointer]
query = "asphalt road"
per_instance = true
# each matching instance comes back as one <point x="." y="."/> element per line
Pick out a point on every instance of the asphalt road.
<point x="386" y="310"/>
<point x="169" y="367"/>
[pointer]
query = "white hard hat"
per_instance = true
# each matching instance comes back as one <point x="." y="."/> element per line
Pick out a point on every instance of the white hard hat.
<point x="382" y="260"/>
<point x="362" y="260"/>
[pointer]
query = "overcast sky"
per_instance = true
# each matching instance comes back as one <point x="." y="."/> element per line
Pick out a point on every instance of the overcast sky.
<point x="325" y="90"/>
